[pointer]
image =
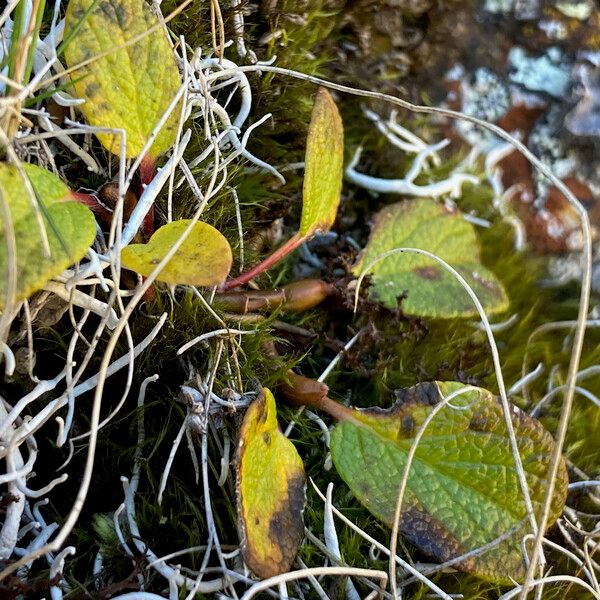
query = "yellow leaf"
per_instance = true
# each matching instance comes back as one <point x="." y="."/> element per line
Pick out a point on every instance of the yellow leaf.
<point x="271" y="491"/>
<point x="204" y="258"/>
<point x="131" y="87"/>
<point x="323" y="169"/>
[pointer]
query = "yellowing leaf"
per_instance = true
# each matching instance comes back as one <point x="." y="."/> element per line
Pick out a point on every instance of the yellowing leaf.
<point x="463" y="490"/>
<point x="323" y="165"/>
<point x="431" y="290"/>
<point x="130" y="87"/>
<point x="70" y="228"/>
<point x="204" y="258"/>
<point x="271" y="491"/>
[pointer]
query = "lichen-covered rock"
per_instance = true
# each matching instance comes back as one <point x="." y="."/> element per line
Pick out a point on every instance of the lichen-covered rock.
<point x="583" y="120"/>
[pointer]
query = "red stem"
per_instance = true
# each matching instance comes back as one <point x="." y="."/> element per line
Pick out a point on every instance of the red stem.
<point x="293" y="243"/>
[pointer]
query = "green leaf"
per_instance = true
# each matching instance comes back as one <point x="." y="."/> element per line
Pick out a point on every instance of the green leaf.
<point x="431" y="290"/>
<point x="131" y="87"/>
<point x="463" y="491"/>
<point x="70" y="228"/>
<point x="204" y="258"/>
<point x="323" y="166"/>
<point x="270" y="490"/>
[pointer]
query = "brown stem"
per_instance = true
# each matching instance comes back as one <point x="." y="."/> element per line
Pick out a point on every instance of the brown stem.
<point x="304" y="391"/>
<point x="295" y="297"/>
<point x="244" y="302"/>
<point x="306" y="294"/>
<point x="336" y="410"/>
<point x="298" y="391"/>
<point x="293" y="243"/>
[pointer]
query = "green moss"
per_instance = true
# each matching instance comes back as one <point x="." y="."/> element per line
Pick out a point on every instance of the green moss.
<point x="394" y="351"/>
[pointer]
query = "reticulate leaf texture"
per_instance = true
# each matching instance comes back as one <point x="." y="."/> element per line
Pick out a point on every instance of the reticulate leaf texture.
<point x="131" y="86"/>
<point x="204" y="257"/>
<point x="271" y="491"/>
<point x="463" y="491"/>
<point x="70" y="228"/>
<point x="323" y="166"/>
<point x="431" y="291"/>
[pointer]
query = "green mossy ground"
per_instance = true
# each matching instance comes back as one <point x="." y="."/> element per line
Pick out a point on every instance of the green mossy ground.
<point x="394" y="352"/>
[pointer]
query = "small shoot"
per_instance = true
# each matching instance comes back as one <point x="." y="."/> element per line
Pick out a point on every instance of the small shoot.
<point x="431" y="290"/>
<point x="270" y="491"/>
<point x="294" y="297"/>
<point x="70" y="229"/>
<point x="204" y="257"/>
<point x="321" y="190"/>
<point x="130" y="85"/>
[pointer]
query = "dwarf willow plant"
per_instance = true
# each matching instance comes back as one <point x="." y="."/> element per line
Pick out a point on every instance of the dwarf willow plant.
<point x="442" y="459"/>
<point x="445" y="445"/>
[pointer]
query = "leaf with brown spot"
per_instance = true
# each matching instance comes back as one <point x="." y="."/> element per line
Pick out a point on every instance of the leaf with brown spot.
<point x="270" y="491"/>
<point x="130" y="86"/>
<point x="462" y="490"/>
<point x="431" y="291"/>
